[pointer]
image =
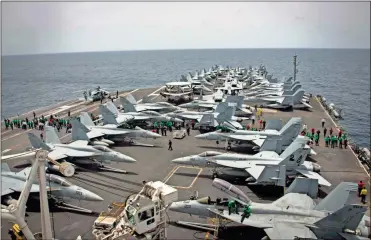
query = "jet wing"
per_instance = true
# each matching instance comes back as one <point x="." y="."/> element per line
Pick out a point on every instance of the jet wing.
<point x="124" y="118"/>
<point x="309" y="174"/>
<point x="191" y="117"/>
<point x="282" y="230"/>
<point x="255" y="171"/>
<point x="297" y="200"/>
<point x="114" y="131"/>
<point x="78" y="143"/>
<point x="94" y="134"/>
<point x="57" y="154"/>
<point x="10" y="185"/>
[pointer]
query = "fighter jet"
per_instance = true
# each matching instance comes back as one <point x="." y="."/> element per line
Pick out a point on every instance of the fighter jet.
<point x="261" y="168"/>
<point x="95" y="94"/>
<point x="81" y="130"/>
<point x="242" y="110"/>
<point x="292" y="216"/>
<point x="13" y="182"/>
<point x="294" y="101"/>
<point x="78" y="152"/>
<point x="112" y="116"/>
<point x="146" y="105"/>
<point x="269" y="139"/>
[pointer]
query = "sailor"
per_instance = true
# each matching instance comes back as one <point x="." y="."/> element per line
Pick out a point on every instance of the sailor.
<point x="264" y="123"/>
<point x="360" y="187"/>
<point x="188" y="129"/>
<point x="318" y="132"/>
<point x="340" y="139"/>
<point x="69" y="113"/>
<point x="165" y="128"/>
<point x="34" y="114"/>
<point x="327" y="140"/>
<point x="170" y="126"/>
<point x="313" y="131"/>
<point x="42" y="136"/>
<point x="117" y="94"/>
<point x="333" y="140"/>
<point x="305" y="127"/>
<point x="316" y="139"/>
<point x="170" y="145"/>
<point x="331" y="131"/>
<point x="6" y="124"/>
<point x="256" y="107"/>
<point x="324" y="132"/>
<point x="336" y="140"/>
<point x="253" y="120"/>
<point x="232" y="207"/>
<point x="340" y="133"/>
<point x="363" y="195"/>
<point x="247" y="127"/>
<point x="11" y="125"/>
<point x="246" y="213"/>
<point x="260" y="123"/>
<point x="323" y="121"/>
<point x="345" y="141"/>
<point x="193" y="124"/>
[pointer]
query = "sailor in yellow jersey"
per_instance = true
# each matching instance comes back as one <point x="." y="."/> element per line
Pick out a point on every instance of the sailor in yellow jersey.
<point x="363" y="195"/>
<point x="16" y="233"/>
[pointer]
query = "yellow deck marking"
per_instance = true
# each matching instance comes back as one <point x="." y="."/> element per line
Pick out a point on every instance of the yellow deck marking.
<point x="176" y="169"/>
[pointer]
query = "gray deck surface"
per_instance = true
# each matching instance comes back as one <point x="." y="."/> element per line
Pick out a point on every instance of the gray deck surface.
<point x="154" y="163"/>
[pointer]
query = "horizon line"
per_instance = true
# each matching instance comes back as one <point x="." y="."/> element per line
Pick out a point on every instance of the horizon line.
<point x="184" y="49"/>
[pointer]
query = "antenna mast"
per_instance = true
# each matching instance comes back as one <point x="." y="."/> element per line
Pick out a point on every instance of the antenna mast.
<point x="295" y="65"/>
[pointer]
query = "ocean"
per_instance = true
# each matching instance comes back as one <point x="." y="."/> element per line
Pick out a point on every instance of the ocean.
<point x="34" y="81"/>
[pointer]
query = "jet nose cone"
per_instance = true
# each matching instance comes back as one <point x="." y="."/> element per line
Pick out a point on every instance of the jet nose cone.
<point x="177" y="120"/>
<point x="176" y="206"/>
<point x="201" y="136"/>
<point x="89" y="196"/>
<point x="182" y="160"/>
<point x="127" y="159"/>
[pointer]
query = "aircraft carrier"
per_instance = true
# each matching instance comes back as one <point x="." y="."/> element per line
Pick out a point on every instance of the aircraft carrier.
<point x="154" y="163"/>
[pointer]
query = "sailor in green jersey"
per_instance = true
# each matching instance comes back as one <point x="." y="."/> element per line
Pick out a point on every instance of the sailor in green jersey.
<point x="336" y="140"/>
<point x="340" y="139"/>
<point x="155" y="125"/>
<point x="246" y="213"/>
<point x="333" y="139"/>
<point x="232" y="207"/>
<point x="327" y="140"/>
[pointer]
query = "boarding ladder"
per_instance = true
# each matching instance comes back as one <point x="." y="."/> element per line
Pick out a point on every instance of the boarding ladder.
<point x="216" y="230"/>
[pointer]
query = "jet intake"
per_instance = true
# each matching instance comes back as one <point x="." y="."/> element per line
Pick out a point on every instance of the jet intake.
<point x="250" y="180"/>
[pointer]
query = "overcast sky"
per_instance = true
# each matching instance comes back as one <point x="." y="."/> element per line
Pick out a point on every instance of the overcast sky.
<point x="42" y="27"/>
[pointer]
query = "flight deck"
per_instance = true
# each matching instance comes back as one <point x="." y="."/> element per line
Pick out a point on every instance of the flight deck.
<point x="154" y="163"/>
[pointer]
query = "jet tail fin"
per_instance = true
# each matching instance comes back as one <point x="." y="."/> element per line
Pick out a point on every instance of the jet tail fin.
<point x="304" y="186"/>
<point x="294" y="154"/>
<point x="337" y="198"/>
<point x="79" y="131"/>
<point x="274" y="124"/>
<point x="348" y="217"/>
<point x="108" y="116"/>
<point x="298" y="95"/>
<point x="225" y="116"/>
<point x="5" y="167"/>
<point x="51" y="135"/>
<point x="207" y="119"/>
<point x="86" y="120"/>
<point x="273" y="173"/>
<point x="112" y="107"/>
<point x="36" y="142"/>
<point x="128" y="99"/>
<point x="291" y="129"/>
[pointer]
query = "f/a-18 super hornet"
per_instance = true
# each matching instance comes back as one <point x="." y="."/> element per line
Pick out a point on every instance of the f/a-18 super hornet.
<point x="269" y="139"/>
<point x="128" y="103"/>
<point x="290" y="101"/>
<point x="293" y="216"/>
<point x="263" y="168"/>
<point x="242" y="110"/>
<point x="13" y="182"/>
<point x="64" y="156"/>
<point x="110" y="131"/>
<point x="111" y="115"/>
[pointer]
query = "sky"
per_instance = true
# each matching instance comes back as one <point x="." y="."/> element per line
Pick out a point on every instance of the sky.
<point x="53" y="27"/>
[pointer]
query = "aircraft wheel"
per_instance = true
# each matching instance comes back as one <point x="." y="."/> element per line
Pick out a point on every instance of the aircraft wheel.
<point x="215" y="175"/>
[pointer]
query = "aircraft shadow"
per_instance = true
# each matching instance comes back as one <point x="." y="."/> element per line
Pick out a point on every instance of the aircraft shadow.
<point x="240" y="233"/>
